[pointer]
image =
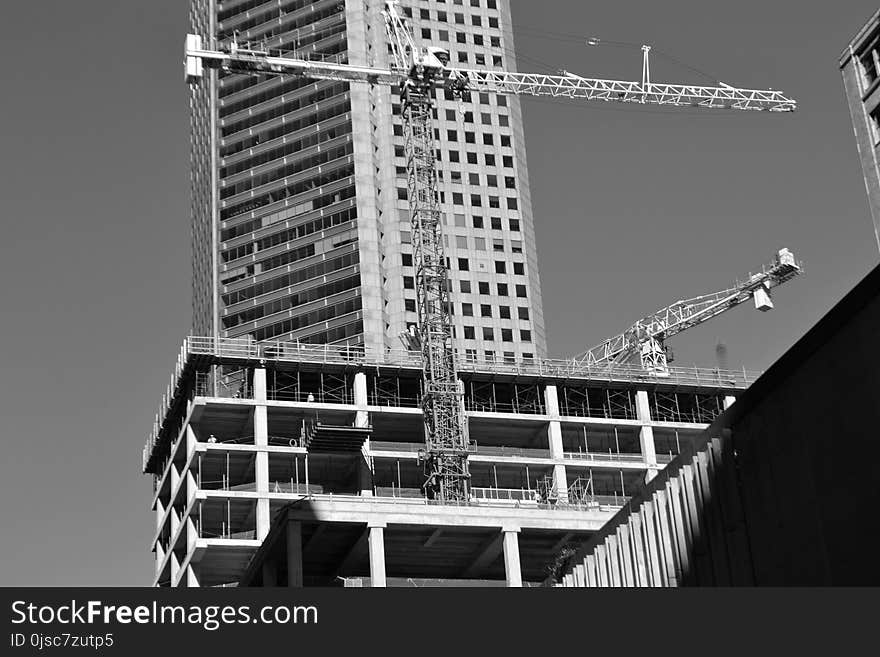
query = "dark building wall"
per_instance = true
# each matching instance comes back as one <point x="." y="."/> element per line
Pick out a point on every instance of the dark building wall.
<point x="781" y="490"/>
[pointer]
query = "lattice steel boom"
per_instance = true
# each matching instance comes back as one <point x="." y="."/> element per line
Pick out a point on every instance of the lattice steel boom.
<point x="646" y="337"/>
<point x="420" y="72"/>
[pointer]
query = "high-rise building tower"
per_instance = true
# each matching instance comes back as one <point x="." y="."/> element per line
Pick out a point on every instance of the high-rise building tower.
<point x="860" y="66"/>
<point x="301" y="227"/>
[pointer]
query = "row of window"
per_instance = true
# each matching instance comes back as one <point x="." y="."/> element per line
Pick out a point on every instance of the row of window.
<point x="287" y="126"/>
<point x="292" y="105"/>
<point x="488" y="333"/>
<point x="304" y="229"/>
<point x="315" y="317"/>
<point x="276" y="15"/>
<point x="292" y="301"/>
<point x="308" y="163"/>
<point x="489" y="159"/>
<point x="289" y="148"/>
<point x="292" y="278"/>
<point x="345" y="171"/>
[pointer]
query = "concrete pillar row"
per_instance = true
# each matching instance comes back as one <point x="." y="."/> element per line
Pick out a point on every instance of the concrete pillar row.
<point x="512" y="566"/>
<point x="646" y="434"/>
<point x="377" y="555"/>
<point x="261" y="460"/>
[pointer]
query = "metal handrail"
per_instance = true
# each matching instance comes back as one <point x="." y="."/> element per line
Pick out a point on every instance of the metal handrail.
<point x="246" y="348"/>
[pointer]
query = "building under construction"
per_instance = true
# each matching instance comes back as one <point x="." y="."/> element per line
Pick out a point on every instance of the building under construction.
<point x="372" y="403"/>
<point x="248" y="429"/>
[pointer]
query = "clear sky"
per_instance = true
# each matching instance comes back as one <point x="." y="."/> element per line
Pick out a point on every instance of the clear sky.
<point x="634" y="209"/>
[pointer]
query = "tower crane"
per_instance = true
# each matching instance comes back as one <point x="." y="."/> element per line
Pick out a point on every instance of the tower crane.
<point x="646" y="338"/>
<point x="420" y="72"/>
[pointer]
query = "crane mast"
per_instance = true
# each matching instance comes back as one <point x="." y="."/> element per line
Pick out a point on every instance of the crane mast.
<point x="646" y="338"/>
<point x="420" y="72"/>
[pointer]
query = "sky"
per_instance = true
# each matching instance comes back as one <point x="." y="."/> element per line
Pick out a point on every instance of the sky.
<point x="634" y="208"/>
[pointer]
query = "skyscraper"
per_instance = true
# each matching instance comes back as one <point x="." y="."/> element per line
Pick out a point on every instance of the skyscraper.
<point x="860" y="66"/>
<point x="301" y="227"/>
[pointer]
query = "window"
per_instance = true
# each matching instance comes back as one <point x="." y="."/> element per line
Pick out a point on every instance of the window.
<point x="485" y="310"/>
<point x="516" y="246"/>
<point x="521" y="291"/>
<point x="500" y="267"/>
<point x="472" y="158"/>
<point x="426" y="33"/>
<point x="496" y="223"/>
<point x="467" y="309"/>
<point x="463" y="264"/>
<point x="457" y="198"/>
<point x="450" y="115"/>
<point x="402" y="194"/>
<point x="470" y="138"/>
<point x="523" y="313"/>
<point x="469" y="333"/>
<point x="474" y="178"/>
<point x="443" y="34"/>
<point x="502" y="290"/>
<point x="478" y="222"/>
<point x="519" y="269"/>
<point x="454" y="156"/>
<point x="507" y="161"/>
<point x="465" y="287"/>
<point x="512" y="204"/>
<point x="459" y="220"/>
<point x="476" y="200"/>
<point x="510" y="182"/>
<point x="498" y="245"/>
<point x="488" y="139"/>
<point x="504" y="312"/>
<point x="460" y="37"/>
<point x="407" y="259"/>
<point x="409" y="305"/>
<point x="452" y="135"/>
<point x="505" y="140"/>
<point x="507" y="335"/>
<point x="514" y="225"/>
<point x="525" y="335"/>
<point x="484" y="287"/>
<point x="409" y="283"/>
<point x="492" y="181"/>
<point x="462" y="57"/>
<point x="488" y="333"/>
<point x="490" y="160"/>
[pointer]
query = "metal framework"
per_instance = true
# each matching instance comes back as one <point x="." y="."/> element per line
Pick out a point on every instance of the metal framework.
<point x="646" y="337"/>
<point x="420" y="72"/>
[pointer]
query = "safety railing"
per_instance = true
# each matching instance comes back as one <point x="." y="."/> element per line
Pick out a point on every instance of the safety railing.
<point x="604" y="456"/>
<point x="245" y="348"/>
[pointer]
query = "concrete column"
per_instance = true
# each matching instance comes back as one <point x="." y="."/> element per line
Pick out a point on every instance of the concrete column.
<point x="294" y="554"/>
<point x="728" y="401"/>
<point x="362" y="420"/>
<point x="511" y="557"/>
<point x="646" y="434"/>
<point x="261" y="460"/>
<point x="377" y="555"/>
<point x="554" y="439"/>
